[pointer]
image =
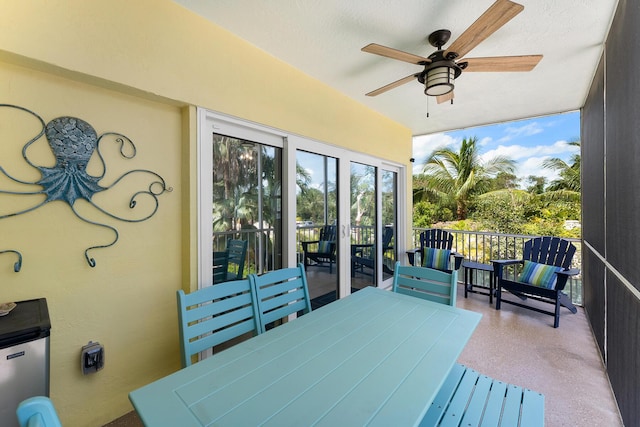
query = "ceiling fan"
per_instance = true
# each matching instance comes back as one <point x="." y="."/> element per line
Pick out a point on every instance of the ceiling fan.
<point x="442" y="67"/>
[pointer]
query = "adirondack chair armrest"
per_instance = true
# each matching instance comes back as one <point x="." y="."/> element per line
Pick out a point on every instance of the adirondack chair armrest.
<point x="358" y="249"/>
<point x="499" y="264"/>
<point x="305" y="245"/>
<point x="411" y="254"/>
<point x="569" y="272"/>
<point x="458" y="258"/>
<point x="563" y="276"/>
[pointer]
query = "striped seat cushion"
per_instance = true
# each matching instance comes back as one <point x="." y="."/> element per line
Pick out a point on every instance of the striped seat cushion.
<point x="541" y="275"/>
<point x="436" y="258"/>
<point x="324" y="246"/>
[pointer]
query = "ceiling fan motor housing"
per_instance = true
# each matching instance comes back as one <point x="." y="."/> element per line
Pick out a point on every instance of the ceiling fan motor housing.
<point x="438" y="76"/>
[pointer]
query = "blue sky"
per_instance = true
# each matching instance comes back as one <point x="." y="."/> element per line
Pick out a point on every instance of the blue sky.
<point x="528" y="142"/>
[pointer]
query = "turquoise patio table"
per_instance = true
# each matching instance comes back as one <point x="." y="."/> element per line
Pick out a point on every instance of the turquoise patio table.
<point x="374" y="358"/>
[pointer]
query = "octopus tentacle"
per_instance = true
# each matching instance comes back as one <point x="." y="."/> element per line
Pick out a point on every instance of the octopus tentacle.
<point x="23" y="211"/>
<point x="18" y="265"/>
<point x="122" y="140"/>
<point x="32" y="140"/>
<point x="156" y="188"/>
<point x="22" y="192"/>
<point x="91" y="261"/>
<point x="14" y="179"/>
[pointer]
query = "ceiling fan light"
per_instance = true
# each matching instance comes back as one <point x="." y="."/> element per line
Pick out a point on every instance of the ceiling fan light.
<point x="439" y="81"/>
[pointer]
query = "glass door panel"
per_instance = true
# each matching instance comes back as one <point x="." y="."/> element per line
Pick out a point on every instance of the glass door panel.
<point x="389" y="221"/>
<point x="246" y="206"/>
<point x="363" y="214"/>
<point x="316" y="224"/>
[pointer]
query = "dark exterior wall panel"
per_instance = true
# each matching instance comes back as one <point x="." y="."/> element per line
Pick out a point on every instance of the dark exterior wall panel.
<point x="611" y="176"/>
<point x="592" y="160"/>
<point x="623" y="142"/>
<point x="593" y="272"/>
<point x="623" y="348"/>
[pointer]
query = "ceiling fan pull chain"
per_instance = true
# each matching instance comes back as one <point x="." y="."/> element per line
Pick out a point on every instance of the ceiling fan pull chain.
<point x="427" y="98"/>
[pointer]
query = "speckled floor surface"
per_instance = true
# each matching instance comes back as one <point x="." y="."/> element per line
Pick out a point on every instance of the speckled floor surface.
<point x="521" y="347"/>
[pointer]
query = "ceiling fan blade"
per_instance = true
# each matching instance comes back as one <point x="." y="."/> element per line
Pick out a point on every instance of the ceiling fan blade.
<point x="503" y="63"/>
<point x="392" y="53"/>
<point x="392" y="85"/>
<point x="501" y="12"/>
<point x="444" y="98"/>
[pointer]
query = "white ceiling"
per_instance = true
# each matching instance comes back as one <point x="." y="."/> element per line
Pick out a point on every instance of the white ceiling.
<point x="323" y="38"/>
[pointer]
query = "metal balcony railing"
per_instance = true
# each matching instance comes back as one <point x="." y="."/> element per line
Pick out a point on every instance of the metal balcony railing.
<point x="473" y="245"/>
<point x="484" y="246"/>
<point x="261" y="253"/>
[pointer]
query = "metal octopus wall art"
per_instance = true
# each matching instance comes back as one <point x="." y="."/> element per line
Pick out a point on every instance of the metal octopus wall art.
<point x="73" y="143"/>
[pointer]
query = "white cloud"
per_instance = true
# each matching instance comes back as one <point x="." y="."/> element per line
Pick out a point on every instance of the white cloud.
<point x="485" y="141"/>
<point x="518" y="152"/>
<point x="424" y="145"/>
<point x="526" y="130"/>
<point x="533" y="166"/>
<point x="529" y="159"/>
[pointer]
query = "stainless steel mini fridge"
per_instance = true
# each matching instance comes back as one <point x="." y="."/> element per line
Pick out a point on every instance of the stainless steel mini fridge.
<point x="24" y="356"/>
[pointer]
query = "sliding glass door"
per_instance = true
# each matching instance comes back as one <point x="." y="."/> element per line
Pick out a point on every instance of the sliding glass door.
<point x="373" y="218"/>
<point x="293" y="200"/>
<point x="240" y="200"/>
<point x="317" y="223"/>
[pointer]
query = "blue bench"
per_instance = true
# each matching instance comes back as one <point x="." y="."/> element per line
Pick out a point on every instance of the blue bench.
<point x="468" y="398"/>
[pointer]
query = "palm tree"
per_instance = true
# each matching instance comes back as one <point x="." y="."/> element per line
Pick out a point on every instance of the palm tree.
<point x="457" y="176"/>
<point x="569" y="173"/>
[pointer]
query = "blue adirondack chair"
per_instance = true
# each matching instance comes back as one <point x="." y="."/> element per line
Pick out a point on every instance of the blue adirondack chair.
<point x="229" y="264"/>
<point x="237" y="253"/>
<point x="281" y="293"/>
<point x="546" y="267"/>
<point x="322" y="251"/>
<point x="426" y="283"/>
<point x="215" y="314"/>
<point x="364" y="255"/>
<point x="435" y="238"/>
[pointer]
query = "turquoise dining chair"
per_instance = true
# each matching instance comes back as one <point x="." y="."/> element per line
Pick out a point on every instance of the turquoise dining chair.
<point x="426" y="283"/>
<point x="37" y="411"/>
<point x="281" y="293"/>
<point x="216" y="314"/>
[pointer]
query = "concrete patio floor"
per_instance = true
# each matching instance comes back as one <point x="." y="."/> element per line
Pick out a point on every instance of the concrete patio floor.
<point x="521" y="347"/>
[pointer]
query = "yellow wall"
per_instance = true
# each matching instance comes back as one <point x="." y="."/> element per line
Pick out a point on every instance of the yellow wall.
<point x="138" y="68"/>
<point x="127" y="302"/>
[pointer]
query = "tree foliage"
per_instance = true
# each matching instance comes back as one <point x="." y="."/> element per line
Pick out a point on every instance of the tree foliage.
<point x="456" y="177"/>
<point x="569" y="172"/>
<point x="488" y="194"/>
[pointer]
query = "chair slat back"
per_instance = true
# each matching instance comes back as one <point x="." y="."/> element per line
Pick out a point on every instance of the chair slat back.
<point x="237" y="250"/>
<point x="369" y="251"/>
<point x="549" y="250"/>
<point x="426" y="283"/>
<point x="215" y="314"/>
<point x="37" y="411"/>
<point x="220" y="266"/>
<point x="387" y="236"/>
<point x="281" y="293"/>
<point x="328" y="233"/>
<point x="436" y="238"/>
